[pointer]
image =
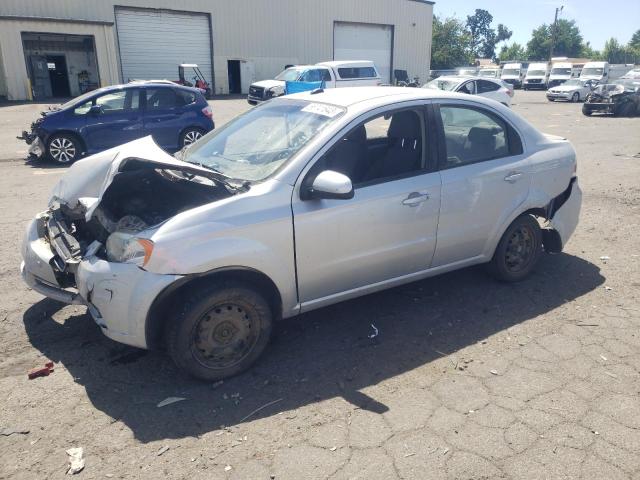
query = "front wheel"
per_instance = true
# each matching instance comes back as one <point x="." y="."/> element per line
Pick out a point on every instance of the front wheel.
<point x="190" y="135"/>
<point x="220" y="331"/>
<point x="575" y="98"/>
<point x="518" y="250"/>
<point x="586" y="111"/>
<point x="64" y="148"/>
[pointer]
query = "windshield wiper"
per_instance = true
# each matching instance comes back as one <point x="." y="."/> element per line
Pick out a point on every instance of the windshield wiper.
<point x="235" y="184"/>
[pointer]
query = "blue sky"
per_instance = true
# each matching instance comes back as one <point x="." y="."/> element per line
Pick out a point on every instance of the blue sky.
<point x="598" y="20"/>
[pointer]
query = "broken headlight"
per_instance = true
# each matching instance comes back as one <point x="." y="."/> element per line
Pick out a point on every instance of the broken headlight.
<point x="125" y="247"/>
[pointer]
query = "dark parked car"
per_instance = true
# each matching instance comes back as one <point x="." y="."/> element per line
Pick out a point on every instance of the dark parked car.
<point x="174" y="115"/>
<point x="620" y="98"/>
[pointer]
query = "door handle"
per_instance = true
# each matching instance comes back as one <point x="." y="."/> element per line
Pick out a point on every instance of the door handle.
<point x="415" y="198"/>
<point x="513" y="177"/>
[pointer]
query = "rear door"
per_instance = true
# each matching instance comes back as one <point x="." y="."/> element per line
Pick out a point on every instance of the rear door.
<point x="163" y="116"/>
<point x="119" y="121"/>
<point x="485" y="177"/>
<point x="488" y="89"/>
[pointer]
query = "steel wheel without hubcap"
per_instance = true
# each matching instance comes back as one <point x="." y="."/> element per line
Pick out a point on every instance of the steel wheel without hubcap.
<point x="224" y="336"/>
<point x="520" y="249"/>
<point x="62" y="150"/>
<point x="191" y="136"/>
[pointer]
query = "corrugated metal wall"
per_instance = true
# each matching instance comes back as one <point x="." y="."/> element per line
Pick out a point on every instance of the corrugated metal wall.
<point x="269" y="33"/>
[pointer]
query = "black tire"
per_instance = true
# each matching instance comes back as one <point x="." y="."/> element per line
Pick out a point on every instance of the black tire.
<point x="190" y="135"/>
<point x="586" y="111"/>
<point x="518" y="250"/>
<point x="220" y="331"/>
<point x="575" y="98"/>
<point x="627" y="109"/>
<point x="64" y="148"/>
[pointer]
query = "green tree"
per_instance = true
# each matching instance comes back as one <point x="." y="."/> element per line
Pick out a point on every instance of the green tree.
<point x="635" y="40"/>
<point x="451" y="44"/>
<point x="483" y="37"/>
<point x="515" y="51"/>
<point x="568" y="41"/>
<point x="613" y="52"/>
<point x="588" y="52"/>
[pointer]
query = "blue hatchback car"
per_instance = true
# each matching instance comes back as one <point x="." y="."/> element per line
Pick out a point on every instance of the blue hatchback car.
<point x="174" y="115"/>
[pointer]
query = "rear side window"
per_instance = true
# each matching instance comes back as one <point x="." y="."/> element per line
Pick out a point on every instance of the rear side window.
<point x="185" y="98"/>
<point x="485" y="86"/>
<point x="473" y="136"/>
<point x="357" y="72"/>
<point x="161" y="98"/>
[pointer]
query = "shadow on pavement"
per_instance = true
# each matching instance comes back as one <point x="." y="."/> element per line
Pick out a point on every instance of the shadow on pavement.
<point x="319" y="355"/>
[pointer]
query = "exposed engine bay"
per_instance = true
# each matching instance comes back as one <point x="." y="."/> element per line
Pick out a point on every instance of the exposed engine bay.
<point x="137" y="199"/>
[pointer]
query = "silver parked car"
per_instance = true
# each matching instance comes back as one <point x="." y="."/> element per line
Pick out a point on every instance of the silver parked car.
<point x="573" y="90"/>
<point x="302" y="202"/>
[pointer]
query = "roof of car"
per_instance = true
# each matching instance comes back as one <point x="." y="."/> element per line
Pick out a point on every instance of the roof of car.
<point x="347" y="63"/>
<point x="461" y="78"/>
<point x="346" y="97"/>
<point x="146" y="83"/>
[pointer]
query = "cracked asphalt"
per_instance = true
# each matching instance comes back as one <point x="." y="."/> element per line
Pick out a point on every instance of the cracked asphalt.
<point x="466" y="379"/>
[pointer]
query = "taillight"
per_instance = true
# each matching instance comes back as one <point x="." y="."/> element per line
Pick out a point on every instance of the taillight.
<point x="207" y="111"/>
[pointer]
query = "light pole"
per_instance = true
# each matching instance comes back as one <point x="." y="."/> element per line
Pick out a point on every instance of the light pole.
<point x="554" y="30"/>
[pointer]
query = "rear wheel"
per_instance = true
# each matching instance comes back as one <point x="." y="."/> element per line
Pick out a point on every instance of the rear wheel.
<point x="627" y="109"/>
<point x="190" y="135"/>
<point x="221" y="331"/>
<point x="575" y="97"/>
<point x="64" y="148"/>
<point x="586" y="110"/>
<point x="518" y="250"/>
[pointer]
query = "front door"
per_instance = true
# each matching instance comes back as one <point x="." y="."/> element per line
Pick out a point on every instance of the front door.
<point x="118" y="121"/>
<point x="485" y="177"/>
<point x="388" y="229"/>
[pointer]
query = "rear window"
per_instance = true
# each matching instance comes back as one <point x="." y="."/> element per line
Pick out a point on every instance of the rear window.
<point x="185" y="97"/>
<point x="357" y="72"/>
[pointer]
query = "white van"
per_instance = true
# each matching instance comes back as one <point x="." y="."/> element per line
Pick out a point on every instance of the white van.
<point x="598" y="71"/>
<point x="560" y="73"/>
<point x="537" y="76"/>
<point x="489" y="72"/>
<point x="513" y="73"/>
<point x="334" y="74"/>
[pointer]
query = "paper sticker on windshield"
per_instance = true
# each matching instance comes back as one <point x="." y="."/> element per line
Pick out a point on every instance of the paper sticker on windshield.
<point x="323" y="109"/>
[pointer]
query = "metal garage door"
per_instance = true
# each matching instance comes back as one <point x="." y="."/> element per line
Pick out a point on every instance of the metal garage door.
<point x="362" y="41"/>
<point x="153" y="43"/>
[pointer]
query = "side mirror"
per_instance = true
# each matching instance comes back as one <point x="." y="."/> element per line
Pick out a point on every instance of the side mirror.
<point x="331" y="185"/>
<point x="96" y="110"/>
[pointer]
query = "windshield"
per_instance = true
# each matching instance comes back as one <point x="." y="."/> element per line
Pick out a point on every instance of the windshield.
<point x="560" y="71"/>
<point x="573" y="83"/>
<point x="536" y="73"/>
<point x="81" y="99"/>
<point x="254" y="145"/>
<point x="628" y="84"/>
<point x="488" y="73"/>
<point x="592" y="71"/>
<point x="442" y="84"/>
<point x="510" y="71"/>
<point x="290" y="74"/>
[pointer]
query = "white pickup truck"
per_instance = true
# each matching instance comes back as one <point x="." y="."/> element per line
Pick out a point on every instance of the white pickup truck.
<point x="334" y="74"/>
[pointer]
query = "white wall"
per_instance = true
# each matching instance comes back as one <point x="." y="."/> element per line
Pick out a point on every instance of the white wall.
<point x="269" y="33"/>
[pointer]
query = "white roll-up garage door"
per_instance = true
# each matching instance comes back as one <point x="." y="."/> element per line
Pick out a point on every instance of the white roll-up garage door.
<point x="363" y="41"/>
<point x="154" y="42"/>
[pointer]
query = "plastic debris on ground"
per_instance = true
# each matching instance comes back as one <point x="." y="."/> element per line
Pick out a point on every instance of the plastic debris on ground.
<point x="76" y="460"/>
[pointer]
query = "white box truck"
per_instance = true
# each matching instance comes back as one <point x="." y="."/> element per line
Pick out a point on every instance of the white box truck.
<point x="598" y="71"/>
<point x="513" y="73"/>
<point x="537" y="76"/>
<point x="560" y="73"/>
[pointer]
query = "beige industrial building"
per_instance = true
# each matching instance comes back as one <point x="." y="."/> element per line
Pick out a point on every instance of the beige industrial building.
<point x="59" y="48"/>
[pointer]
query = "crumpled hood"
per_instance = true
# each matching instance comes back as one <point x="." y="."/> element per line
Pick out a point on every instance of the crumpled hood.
<point x="86" y="180"/>
<point x="269" y="83"/>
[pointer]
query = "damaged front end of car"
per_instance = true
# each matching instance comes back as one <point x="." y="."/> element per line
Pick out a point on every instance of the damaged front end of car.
<point x="33" y="139"/>
<point x="92" y="244"/>
<point x="615" y="99"/>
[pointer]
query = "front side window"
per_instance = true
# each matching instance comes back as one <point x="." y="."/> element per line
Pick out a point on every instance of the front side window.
<point x="119" y="101"/>
<point x="469" y="87"/>
<point x="311" y="76"/>
<point x="474" y="136"/>
<point x="255" y="144"/>
<point x="383" y="148"/>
